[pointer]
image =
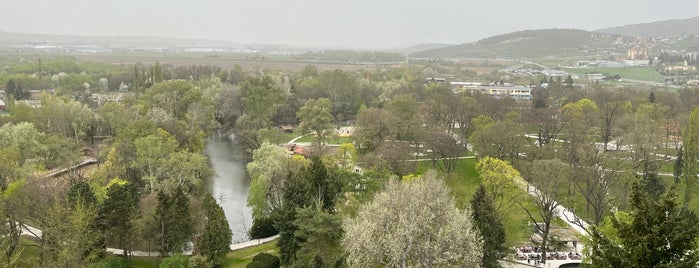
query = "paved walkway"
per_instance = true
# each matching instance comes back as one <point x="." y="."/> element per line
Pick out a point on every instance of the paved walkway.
<point x="37" y="233"/>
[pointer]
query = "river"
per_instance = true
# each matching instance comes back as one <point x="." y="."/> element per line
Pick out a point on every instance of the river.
<point x="230" y="184"/>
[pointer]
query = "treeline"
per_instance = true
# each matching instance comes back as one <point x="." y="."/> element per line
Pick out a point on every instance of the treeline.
<point x="146" y="193"/>
<point x="351" y="56"/>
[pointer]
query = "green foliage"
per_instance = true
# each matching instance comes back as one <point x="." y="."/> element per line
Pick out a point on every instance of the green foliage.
<point x="174" y="222"/>
<point x="500" y="180"/>
<point x="264" y="260"/>
<point x="110" y="262"/>
<point x="320" y="233"/>
<point x="313" y="186"/>
<point x="175" y="261"/>
<point x="268" y="171"/>
<point x="690" y="146"/>
<point x="261" y="98"/>
<point x="117" y="212"/>
<point x="317" y="120"/>
<point x="215" y="242"/>
<point x="489" y="224"/>
<point x="658" y="234"/>
<point x="82" y="192"/>
<point x="262" y="227"/>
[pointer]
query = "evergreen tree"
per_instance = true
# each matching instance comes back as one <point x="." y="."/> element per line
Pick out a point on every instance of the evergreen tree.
<point x="569" y="80"/>
<point x="81" y="192"/>
<point x="651" y="97"/>
<point x="311" y="186"/>
<point x="214" y="244"/>
<point x="488" y="223"/>
<point x="677" y="169"/>
<point x="175" y="227"/>
<point x="658" y="233"/>
<point x="117" y="212"/>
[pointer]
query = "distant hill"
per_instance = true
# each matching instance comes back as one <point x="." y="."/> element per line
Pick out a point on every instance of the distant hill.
<point x="668" y="28"/>
<point x="421" y="47"/>
<point x="525" y="44"/>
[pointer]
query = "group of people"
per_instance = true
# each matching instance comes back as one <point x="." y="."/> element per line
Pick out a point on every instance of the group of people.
<point x="533" y="255"/>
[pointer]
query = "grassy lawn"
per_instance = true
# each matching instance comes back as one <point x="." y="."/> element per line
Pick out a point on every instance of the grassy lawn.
<point x="331" y="140"/>
<point x="240" y="258"/>
<point x="464" y="182"/>
<point x="635" y="73"/>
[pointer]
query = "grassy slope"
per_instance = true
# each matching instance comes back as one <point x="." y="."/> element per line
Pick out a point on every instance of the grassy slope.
<point x="525" y="44"/>
<point x="241" y="258"/>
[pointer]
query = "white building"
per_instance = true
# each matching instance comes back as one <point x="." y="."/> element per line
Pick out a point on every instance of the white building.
<point x="515" y="92"/>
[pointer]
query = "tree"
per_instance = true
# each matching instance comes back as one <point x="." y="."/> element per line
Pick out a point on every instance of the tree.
<point x="503" y="139"/>
<point x="317" y="120"/>
<point x="412" y="224"/>
<point x="658" y="233"/>
<point x="174" y="222"/>
<point x="612" y="104"/>
<point x="690" y="145"/>
<point x="312" y="186"/>
<point x="69" y="235"/>
<point x="320" y="232"/>
<point x="446" y="148"/>
<point x="500" y="180"/>
<point x="261" y="98"/>
<point x="215" y="242"/>
<point x="547" y="176"/>
<point x="117" y="212"/>
<point x="488" y="223"/>
<point x="268" y="170"/>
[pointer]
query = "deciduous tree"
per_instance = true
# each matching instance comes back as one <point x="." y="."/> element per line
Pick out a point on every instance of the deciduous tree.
<point x="412" y="224"/>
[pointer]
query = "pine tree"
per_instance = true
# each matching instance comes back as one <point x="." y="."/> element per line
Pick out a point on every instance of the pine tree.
<point x="175" y="227"/>
<point x="116" y="213"/>
<point x="657" y="234"/>
<point x="489" y="225"/>
<point x="214" y="244"/>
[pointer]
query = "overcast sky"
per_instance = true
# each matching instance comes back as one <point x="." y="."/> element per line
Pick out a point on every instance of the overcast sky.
<point x="329" y="23"/>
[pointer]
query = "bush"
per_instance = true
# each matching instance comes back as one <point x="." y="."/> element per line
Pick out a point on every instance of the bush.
<point x="263" y="228"/>
<point x="199" y="261"/>
<point x="175" y="261"/>
<point x="110" y="262"/>
<point x="265" y="260"/>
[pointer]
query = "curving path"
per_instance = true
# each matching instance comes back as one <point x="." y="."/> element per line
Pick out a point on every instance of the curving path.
<point x="37" y="233"/>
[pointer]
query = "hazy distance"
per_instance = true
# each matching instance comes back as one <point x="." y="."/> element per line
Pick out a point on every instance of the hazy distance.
<point x="367" y="24"/>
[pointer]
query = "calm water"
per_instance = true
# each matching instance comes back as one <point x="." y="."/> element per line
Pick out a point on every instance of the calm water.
<point x="230" y="186"/>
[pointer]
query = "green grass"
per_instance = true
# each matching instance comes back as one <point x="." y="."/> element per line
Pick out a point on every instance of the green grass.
<point x="635" y="73"/>
<point x="242" y="257"/>
<point x="464" y="182"/>
<point x="143" y="262"/>
<point x="331" y="140"/>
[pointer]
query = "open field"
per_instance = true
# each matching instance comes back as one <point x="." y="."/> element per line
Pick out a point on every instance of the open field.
<point x="223" y="63"/>
<point x="635" y="73"/>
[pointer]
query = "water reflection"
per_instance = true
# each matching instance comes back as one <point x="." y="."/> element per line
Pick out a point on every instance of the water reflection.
<point x="230" y="186"/>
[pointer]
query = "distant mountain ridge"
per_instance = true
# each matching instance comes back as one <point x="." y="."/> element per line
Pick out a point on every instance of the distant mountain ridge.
<point x="525" y="44"/>
<point x="660" y="29"/>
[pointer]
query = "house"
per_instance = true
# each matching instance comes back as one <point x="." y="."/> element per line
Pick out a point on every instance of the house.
<point x="637" y="53"/>
<point x="463" y="86"/>
<point x="515" y="92"/>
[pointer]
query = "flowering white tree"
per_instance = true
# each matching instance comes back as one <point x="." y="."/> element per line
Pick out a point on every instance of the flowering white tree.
<point x="412" y="224"/>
